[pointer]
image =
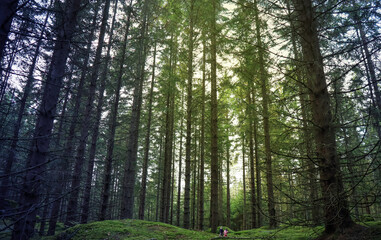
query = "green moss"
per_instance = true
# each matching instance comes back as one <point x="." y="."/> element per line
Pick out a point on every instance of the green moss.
<point x="284" y="233"/>
<point x="137" y="229"/>
<point x="129" y="229"/>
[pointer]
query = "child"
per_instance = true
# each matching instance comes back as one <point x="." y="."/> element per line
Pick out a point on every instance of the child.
<point x="226" y="232"/>
<point x="221" y="231"/>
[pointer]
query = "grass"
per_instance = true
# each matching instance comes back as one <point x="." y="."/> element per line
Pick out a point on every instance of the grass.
<point x="138" y="229"/>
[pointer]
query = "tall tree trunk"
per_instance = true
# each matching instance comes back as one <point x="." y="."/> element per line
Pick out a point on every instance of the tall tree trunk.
<point x="220" y="193"/>
<point x="180" y="166"/>
<point x="193" y="166"/>
<point x="80" y="157"/>
<point x="8" y="10"/>
<point x="266" y="125"/>
<point x="306" y="135"/>
<point x="251" y="159"/>
<point x="194" y="183"/>
<point x="31" y="189"/>
<point x="18" y="125"/>
<point x="44" y="215"/>
<point x="62" y="167"/>
<point x="94" y="138"/>
<point x="371" y="73"/>
<point x="214" y="123"/>
<point x="228" y="185"/>
<point x="244" y="184"/>
<point x="189" y="119"/>
<point x="159" y="179"/>
<point x="173" y="175"/>
<point x="202" y="142"/>
<point x="129" y="175"/>
<point x="337" y="216"/>
<point x="165" y="197"/>
<point x="257" y="164"/>
<point x="58" y="175"/>
<point x="105" y="195"/>
<point x="147" y="143"/>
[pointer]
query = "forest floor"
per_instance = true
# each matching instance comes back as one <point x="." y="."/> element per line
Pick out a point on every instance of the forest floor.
<point x="138" y="229"/>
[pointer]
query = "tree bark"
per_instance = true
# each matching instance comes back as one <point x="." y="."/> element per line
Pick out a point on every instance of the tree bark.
<point x="94" y="138"/>
<point x="129" y="176"/>
<point x="147" y="143"/>
<point x="159" y="179"/>
<point x="202" y="142"/>
<point x="257" y="163"/>
<point x="173" y="175"/>
<point x="18" y="125"/>
<point x="8" y="10"/>
<point x="251" y="159"/>
<point x="180" y="166"/>
<point x="189" y="120"/>
<point x="266" y="124"/>
<point x="30" y="194"/>
<point x="214" y="123"/>
<point x="244" y="183"/>
<point x="337" y="215"/>
<point x="105" y="195"/>
<point x="228" y="185"/>
<point x="306" y="136"/>
<point x="80" y="157"/>
<point x="170" y="92"/>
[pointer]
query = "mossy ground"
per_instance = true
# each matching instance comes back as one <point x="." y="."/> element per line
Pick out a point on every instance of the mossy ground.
<point x="128" y="229"/>
<point x="137" y="229"/>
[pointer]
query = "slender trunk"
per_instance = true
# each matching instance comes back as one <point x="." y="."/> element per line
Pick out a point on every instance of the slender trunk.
<point x="173" y="177"/>
<point x="30" y="194"/>
<point x="350" y="162"/>
<point x="251" y="159"/>
<point x="90" y="168"/>
<point x="189" y="119"/>
<point x="228" y="185"/>
<point x="159" y="180"/>
<point x="337" y="216"/>
<point x="8" y="10"/>
<point x="311" y="169"/>
<point x="244" y="183"/>
<point x="147" y="143"/>
<point x="44" y="215"/>
<point x="220" y="193"/>
<point x="202" y="142"/>
<point x="18" y="125"/>
<point x="194" y="182"/>
<point x="11" y="59"/>
<point x="214" y="124"/>
<point x="80" y="157"/>
<point x="180" y="166"/>
<point x="165" y="198"/>
<point x="266" y="124"/>
<point x="371" y="74"/>
<point x="105" y="194"/>
<point x="63" y="176"/>
<point x="257" y="164"/>
<point x="370" y="65"/>
<point x="57" y="175"/>
<point x="132" y="143"/>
